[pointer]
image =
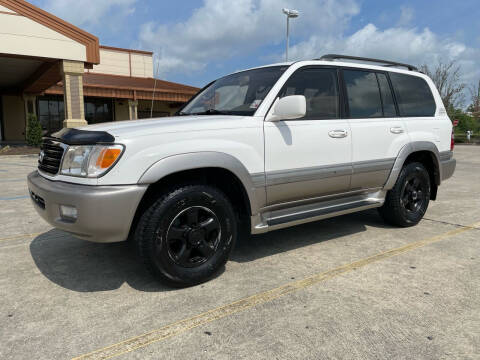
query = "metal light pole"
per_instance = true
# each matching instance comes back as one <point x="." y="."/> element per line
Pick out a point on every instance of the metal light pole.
<point x="290" y="14"/>
<point x="154" y="88"/>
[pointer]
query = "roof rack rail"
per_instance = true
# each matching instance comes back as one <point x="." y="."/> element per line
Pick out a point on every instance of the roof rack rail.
<point x="331" y="57"/>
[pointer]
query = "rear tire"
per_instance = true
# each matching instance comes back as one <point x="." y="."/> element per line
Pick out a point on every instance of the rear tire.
<point x="186" y="236"/>
<point x="407" y="201"/>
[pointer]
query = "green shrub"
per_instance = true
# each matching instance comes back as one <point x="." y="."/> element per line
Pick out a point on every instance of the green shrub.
<point x="34" y="131"/>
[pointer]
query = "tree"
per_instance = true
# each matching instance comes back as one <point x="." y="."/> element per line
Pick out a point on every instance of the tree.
<point x="447" y="79"/>
<point x="34" y="130"/>
<point x="474" y="107"/>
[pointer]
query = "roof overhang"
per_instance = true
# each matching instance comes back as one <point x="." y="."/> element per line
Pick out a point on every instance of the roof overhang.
<point x="40" y="16"/>
<point x="124" y="87"/>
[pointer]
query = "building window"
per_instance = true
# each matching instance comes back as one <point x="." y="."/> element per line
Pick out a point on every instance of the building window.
<point x="98" y="110"/>
<point x="51" y="113"/>
<point x="145" y="114"/>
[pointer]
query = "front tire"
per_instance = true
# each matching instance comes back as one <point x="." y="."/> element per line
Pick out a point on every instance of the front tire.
<point x="186" y="236"/>
<point x="407" y="201"/>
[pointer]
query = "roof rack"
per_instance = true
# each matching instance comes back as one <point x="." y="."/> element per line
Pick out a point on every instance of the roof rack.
<point x="331" y="57"/>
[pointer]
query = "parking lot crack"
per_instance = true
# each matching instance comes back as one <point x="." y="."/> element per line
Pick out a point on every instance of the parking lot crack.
<point x="452" y="224"/>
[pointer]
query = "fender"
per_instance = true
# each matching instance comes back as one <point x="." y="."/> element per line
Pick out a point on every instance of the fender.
<point x="197" y="160"/>
<point x="403" y="155"/>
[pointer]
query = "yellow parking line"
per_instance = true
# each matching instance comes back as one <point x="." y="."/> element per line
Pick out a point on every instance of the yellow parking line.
<point x="260" y="298"/>
<point x="20" y="236"/>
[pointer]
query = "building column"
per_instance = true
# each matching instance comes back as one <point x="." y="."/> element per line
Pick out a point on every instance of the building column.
<point x="30" y="105"/>
<point x="72" y="73"/>
<point x="133" y="109"/>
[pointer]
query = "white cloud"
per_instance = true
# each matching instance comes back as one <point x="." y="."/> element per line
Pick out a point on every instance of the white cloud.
<point x="91" y="12"/>
<point x="408" y="45"/>
<point x="221" y="29"/>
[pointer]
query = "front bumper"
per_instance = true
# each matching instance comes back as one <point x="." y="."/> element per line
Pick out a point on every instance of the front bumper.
<point x="105" y="213"/>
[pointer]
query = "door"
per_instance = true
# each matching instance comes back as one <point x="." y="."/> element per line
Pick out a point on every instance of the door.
<point x="378" y="133"/>
<point x="417" y="108"/>
<point x="309" y="157"/>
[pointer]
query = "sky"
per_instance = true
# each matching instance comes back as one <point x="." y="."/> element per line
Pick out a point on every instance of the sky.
<point x="198" y="41"/>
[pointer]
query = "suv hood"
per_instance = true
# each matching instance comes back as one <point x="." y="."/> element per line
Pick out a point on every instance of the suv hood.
<point x="132" y="128"/>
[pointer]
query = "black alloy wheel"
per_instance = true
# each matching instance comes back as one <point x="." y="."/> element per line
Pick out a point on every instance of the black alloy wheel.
<point x="407" y="202"/>
<point x="187" y="234"/>
<point x="413" y="193"/>
<point x="193" y="236"/>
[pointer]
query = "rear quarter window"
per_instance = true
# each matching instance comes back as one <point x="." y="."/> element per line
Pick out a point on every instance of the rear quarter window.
<point x="413" y="94"/>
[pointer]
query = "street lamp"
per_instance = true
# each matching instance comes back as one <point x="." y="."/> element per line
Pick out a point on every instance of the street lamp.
<point x="290" y="14"/>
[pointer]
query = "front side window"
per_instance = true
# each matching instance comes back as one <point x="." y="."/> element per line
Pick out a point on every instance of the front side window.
<point x="413" y="95"/>
<point x="363" y="94"/>
<point x="320" y="88"/>
<point x="237" y="94"/>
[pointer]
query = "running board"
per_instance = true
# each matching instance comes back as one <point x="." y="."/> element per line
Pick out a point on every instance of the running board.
<point x="282" y="219"/>
<point x="286" y="217"/>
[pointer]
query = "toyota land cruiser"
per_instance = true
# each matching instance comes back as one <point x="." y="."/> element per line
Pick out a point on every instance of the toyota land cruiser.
<point x="253" y="151"/>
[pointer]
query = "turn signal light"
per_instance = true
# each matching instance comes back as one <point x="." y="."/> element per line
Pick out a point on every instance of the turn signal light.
<point x="107" y="158"/>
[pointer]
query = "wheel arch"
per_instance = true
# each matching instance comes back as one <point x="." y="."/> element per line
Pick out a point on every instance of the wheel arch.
<point x="424" y="152"/>
<point x="213" y="168"/>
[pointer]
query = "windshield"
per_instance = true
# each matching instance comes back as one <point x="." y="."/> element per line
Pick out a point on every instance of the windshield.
<point x="237" y="94"/>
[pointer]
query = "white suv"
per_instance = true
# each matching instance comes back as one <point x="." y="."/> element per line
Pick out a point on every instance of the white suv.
<point x="254" y="151"/>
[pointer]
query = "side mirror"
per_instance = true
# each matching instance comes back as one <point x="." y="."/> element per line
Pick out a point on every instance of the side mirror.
<point x="288" y="108"/>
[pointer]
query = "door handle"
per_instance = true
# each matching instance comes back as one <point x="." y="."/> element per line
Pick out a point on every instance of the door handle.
<point x="396" y="130"/>
<point x="338" y="133"/>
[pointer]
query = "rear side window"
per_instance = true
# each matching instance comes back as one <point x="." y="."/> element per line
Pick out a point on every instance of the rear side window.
<point x="413" y="95"/>
<point x="387" y="97"/>
<point x="363" y="94"/>
<point x="320" y="88"/>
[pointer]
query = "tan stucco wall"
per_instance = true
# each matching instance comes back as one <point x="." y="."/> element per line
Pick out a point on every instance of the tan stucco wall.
<point x="21" y="36"/>
<point x="121" y="110"/>
<point x="117" y="62"/>
<point x="13" y="118"/>
<point x="112" y="62"/>
<point x="142" y="65"/>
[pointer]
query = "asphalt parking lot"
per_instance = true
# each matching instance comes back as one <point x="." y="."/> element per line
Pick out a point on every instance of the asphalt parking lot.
<point x="343" y="288"/>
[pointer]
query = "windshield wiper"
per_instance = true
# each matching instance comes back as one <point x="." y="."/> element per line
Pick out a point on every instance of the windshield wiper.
<point x="211" y="112"/>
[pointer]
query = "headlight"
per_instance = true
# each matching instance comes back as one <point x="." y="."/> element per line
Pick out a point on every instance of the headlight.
<point x="91" y="160"/>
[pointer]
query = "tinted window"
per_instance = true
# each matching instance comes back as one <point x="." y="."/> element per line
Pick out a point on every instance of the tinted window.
<point x="413" y="95"/>
<point x="319" y="86"/>
<point x="236" y="94"/>
<point x="363" y="94"/>
<point x="387" y="97"/>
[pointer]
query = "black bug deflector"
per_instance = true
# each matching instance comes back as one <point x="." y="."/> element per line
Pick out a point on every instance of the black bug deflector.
<point x="82" y="137"/>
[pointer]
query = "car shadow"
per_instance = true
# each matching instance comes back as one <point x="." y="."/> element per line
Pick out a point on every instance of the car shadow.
<point x="83" y="266"/>
<point x="258" y="246"/>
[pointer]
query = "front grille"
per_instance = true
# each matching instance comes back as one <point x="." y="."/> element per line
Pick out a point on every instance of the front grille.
<point x="50" y="156"/>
